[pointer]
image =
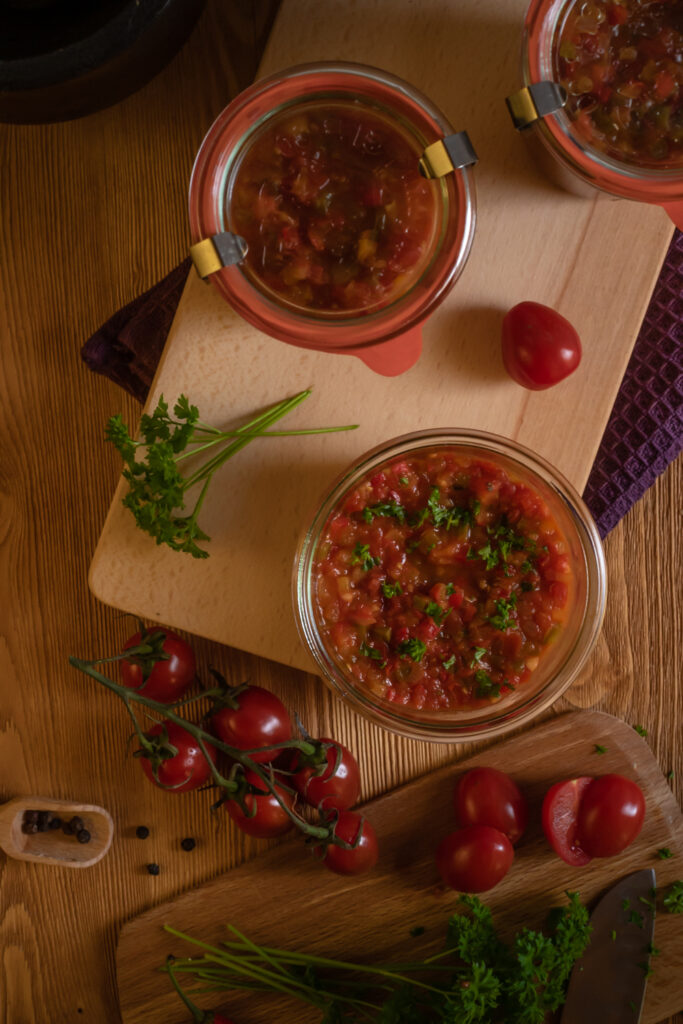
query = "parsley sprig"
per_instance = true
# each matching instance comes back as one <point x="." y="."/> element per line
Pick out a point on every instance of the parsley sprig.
<point x="154" y="464"/>
<point x="476" y="979"/>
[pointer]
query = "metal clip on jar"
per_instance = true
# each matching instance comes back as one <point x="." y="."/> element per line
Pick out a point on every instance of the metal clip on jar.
<point x="541" y="108"/>
<point x="333" y="207"/>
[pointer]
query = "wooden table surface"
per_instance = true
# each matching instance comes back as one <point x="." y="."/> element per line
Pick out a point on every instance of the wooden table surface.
<point x="93" y="213"/>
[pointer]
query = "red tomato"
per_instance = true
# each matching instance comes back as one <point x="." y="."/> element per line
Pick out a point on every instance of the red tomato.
<point x="183" y="770"/>
<point x="540" y="347"/>
<point x="485" y="796"/>
<point x="364" y="853"/>
<point x="266" y="818"/>
<point x="474" y="858"/>
<point x="611" y="813"/>
<point x="162" y="679"/>
<point x="559" y="816"/>
<point x="337" y="786"/>
<point x="259" y="720"/>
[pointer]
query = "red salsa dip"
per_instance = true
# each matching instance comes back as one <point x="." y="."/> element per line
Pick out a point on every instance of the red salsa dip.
<point x="334" y="210"/>
<point x="441" y="581"/>
<point x="621" y="62"/>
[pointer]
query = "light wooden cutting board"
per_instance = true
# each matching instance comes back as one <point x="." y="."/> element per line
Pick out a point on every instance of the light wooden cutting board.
<point x="282" y="898"/>
<point x="594" y="260"/>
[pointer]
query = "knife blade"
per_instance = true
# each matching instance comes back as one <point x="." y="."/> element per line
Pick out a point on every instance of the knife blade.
<point x="607" y="984"/>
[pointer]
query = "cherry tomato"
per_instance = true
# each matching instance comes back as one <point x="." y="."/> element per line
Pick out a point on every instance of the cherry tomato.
<point x="559" y="815"/>
<point x="268" y="819"/>
<point x="364" y="853"/>
<point x="485" y="796"/>
<point x="474" y="858"/>
<point x="338" y="785"/>
<point x="259" y="720"/>
<point x="187" y="768"/>
<point x="540" y="347"/>
<point x="166" y="680"/>
<point x="611" y="813"/>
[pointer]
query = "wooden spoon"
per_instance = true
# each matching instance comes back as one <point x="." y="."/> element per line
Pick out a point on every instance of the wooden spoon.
<point x="53" y="847"/>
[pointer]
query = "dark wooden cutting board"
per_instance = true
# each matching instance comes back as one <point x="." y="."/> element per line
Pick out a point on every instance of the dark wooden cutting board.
<point x="282" y="898"/>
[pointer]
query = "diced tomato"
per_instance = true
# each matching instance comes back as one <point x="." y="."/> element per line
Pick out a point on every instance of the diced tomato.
<point x="665" y="83"/>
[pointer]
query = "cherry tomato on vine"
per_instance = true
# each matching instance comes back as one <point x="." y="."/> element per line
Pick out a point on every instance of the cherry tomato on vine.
<point x="363" y="851"/>
<point x="164" y="680"/>
<point x="183" y="770"/>
<point x="338" y="784"/>
<point x="559" y="816"/>
<point x="611" y="813"/>
<point x="266" y="818"/>
<point x="474" y="858"/>
<point x="260" y="719"/>
<point x="485" y="796"/>
<point x="540" y="347"/>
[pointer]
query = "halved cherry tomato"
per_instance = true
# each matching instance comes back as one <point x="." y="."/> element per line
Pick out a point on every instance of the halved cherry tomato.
<point x="183" y="770"/>
<point x="269" y="819"/>
<point x="611" y="813"/>
<point x="363" y="852"/>
<point x="559" y="816"/>
<point x="166" y="679"/>
<point x="540" y="347"/>
<point x="259" y="720"/>
<point x="485" y="796"/>
<point x="337" y="786"/>
<point x="474" y="858"/>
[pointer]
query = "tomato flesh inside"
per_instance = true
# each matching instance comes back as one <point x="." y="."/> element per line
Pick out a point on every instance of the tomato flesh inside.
<point x="560" y="814"/>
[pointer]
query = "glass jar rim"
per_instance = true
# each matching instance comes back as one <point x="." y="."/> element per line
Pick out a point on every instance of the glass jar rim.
<point x="504" y="716"/>
<point x="301" y="328"/>
<point x="645" y="184"/>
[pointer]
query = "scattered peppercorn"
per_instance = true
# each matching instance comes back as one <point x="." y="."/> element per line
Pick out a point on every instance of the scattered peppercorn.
<point x="83" y="835"/>
<point x="55" y="823"/>
<point x="67" y="828"/>
<point x="153" y="869"/>
<point x="188" y="844"/>
<point x="142" y="831"/>
<point x="77" y="823"/>
<point x="43" y="821"/>
<point x="29" y="827"/>
<point x="30" y="816"/>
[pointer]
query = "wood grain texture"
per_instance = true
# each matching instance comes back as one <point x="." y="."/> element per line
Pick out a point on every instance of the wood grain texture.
<point x="403" y="890"/>
<point x="93" y="212"/>
<point x="533" y="240"/>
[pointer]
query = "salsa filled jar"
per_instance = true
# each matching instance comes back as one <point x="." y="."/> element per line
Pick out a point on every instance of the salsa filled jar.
<point x="348" y="233"/>
<point x="619" y="64"/>
<point x="451" y="585"/>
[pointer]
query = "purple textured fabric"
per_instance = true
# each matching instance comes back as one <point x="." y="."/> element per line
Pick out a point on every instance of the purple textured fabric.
<point x="644" y="433"/>
<point x="645" y="429"/>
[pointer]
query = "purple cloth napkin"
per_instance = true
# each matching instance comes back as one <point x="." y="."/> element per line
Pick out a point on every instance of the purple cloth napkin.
<point x="644" y="433"/>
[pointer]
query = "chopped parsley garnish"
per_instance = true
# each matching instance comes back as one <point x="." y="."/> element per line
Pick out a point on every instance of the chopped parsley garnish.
<point x="370" y="652"/>
<point x="613" y="935"/>
<point x="485" y="685"/>
<point x="436" y="612"/>
<point x="448" y="517"/>
<point x="421" y="517"/>
<point x="404" y="480"/>
<point x="413" y="648"/>
<point x="361" y="556"/>
<point x="641" y="730"/>
<point x="600" y="749"/>
<point x="449" y="663"/>
<point x="450" y="587"/>
<point x="625" y="904"/>
<point x="478" y="654"/>
<point x="673" y="898"/>
<point x="670" y="775"/>
<point x="636" y="918"/>
<point x="664" y="853"/>
<point x="503" y="618"/>
<point x="385" y="508"/>
<point x="488" y="555"/>
<point x="392" y="589"/>
<point x="526" y="566"/>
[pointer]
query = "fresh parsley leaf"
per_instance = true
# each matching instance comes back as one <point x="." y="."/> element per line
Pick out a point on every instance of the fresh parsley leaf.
<point x="448" y="517"/>
<point x="404" y="480"/>
<point x="450" y="587"/>
<point x="641" y="730"/>
<point x="449" y="663"/>
<point x="386" y="508"/>
<point x="488" y="555"/>
<point x="361" y="556"/>
<point x="436" y="612"/>
<point x="600" y="749"/>
<point x="486" y="686"/>
<point x="412" y="648"/>
<point x="370" y="652"/>
<point x="526" y="566"/>
<point x="478" y="654"/>
<point x="664" y="853"/>
<point x="673" y="898"/>
<point x="392" y="589"/>
<point x="503" y="618"/>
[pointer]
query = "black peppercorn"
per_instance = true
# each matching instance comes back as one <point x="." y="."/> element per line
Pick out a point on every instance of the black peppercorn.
<point x="43" y="821"/>
<point x="142" y="831"/>
<point x="30" y="816"/>
<point x="76" y="823"/>
<point x="188" y="844"/>
<point x="67" y="828"/>
<point x="83" y="835"/>
<point x="55" y="823"/>
<point x="30" y="828"/>
<point x="153" y="869"/>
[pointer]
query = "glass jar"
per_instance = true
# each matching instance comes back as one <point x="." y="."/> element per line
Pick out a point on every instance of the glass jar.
<point x="557" y="667"/>
<point x="565" y="156"/>
<point x="383" y="329"/>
